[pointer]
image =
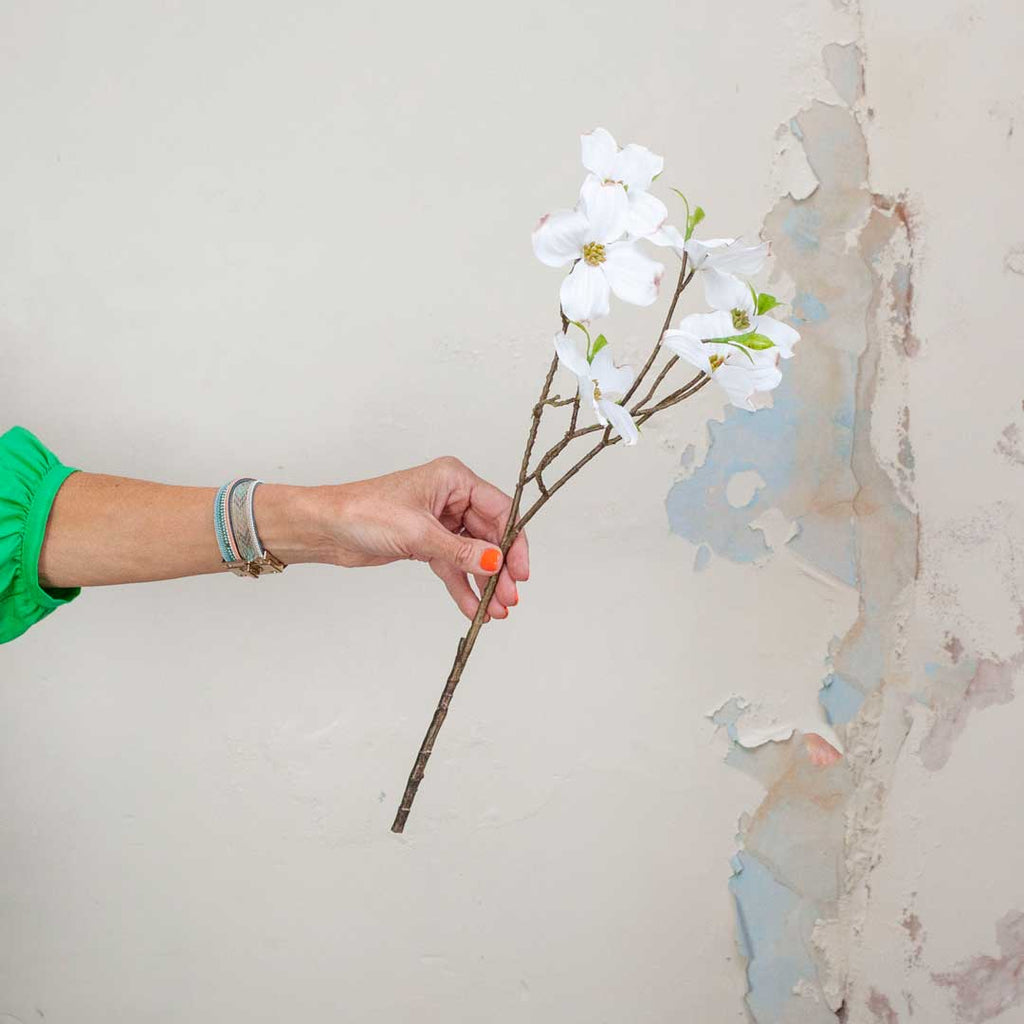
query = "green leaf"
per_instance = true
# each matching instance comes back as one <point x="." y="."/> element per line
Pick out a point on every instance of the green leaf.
<point x="756" y="341"/>
<point x="694" y="219"/>
<point x="599" y="343"/>
<point x="766" y="302"/>
<point x="749" y="340"/>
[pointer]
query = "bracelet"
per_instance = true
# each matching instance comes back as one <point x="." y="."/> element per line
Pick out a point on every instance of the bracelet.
<point x="234" y="524"/>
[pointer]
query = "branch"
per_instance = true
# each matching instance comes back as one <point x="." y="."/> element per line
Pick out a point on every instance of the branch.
<point x="465" y="646"/>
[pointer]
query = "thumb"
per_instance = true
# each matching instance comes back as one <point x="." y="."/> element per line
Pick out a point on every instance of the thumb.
<point x="465" y="553"/>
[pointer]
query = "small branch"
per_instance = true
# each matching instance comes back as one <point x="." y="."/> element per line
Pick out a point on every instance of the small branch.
<point x="654" y="387"/>
<point x="556" y="401"/>
<point x="681" y="283"/>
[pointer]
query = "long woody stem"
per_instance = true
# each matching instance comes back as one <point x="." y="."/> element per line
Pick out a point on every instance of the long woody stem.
<point x="465" y="647"/>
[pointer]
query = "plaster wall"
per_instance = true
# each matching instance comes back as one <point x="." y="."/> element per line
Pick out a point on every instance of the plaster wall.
<point x="293" y="241"/>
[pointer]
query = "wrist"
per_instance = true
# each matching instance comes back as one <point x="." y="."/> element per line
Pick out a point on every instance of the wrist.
<point x="291" y="523"/>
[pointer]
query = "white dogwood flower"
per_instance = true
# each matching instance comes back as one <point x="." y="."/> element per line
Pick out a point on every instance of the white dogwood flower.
<point x="591" y="238"/>
<point x="601" y="385"/>
<point x="738" y="345"/>
<point x="626" y="174"/>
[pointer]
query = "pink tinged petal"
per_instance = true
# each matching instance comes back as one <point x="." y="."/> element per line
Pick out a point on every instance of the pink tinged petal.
<point x="647" y="213"/>
<point x="708" y="325"/>
<point x="622" y="423"/>
<point x="668" y="236"/>
<point x="784" y="336"/>
<point x="559" y="237"/>
<point x="570" y="356"/>
<point x="689" y="348"/>
<point x="606" y="206"/>
<point x="633" y="276"/>
<point x="584" y="293"/>
<point x="636" y="166"/>
<point x="740" y="259"/>
<point x="599" y="150"/>
<point x="725" y="292"/>
<point x="614" y="381"/>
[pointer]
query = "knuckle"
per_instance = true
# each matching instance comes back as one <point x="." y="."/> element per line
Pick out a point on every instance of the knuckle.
<point x="448" y="464"/>
<point x="464" y="551"/>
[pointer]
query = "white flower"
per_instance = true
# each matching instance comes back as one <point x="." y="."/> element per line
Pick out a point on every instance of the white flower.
<point x="628" y="174"/>
<point x="719" y="260"/>
<point x="601" y="385"/>
<point x="736" y="345"/>
<point x="603" y="264"/>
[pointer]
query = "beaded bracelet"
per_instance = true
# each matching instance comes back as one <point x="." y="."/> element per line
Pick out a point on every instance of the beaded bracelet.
<point x="235" y="526"/>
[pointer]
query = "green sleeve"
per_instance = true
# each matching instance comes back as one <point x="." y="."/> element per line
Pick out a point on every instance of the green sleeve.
<point x="30" y="476"/>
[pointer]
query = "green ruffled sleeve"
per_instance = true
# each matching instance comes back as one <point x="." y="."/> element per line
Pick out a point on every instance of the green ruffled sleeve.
<point x="30" y="476"/>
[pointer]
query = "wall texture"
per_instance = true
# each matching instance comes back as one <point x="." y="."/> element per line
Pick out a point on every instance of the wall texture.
<point x="292" y="240"/>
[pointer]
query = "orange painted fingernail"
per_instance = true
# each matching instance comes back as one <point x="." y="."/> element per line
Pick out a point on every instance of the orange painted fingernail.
<point x="489" y="559"/>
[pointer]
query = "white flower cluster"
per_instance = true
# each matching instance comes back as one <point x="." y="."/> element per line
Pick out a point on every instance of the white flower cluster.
<point x="738" y="344"/>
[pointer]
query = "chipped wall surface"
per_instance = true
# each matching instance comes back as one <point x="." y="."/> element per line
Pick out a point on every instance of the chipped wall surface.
<point x="749" y="747"/>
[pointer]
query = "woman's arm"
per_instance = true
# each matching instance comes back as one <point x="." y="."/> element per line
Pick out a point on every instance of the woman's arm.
<point x="108" y="529"/>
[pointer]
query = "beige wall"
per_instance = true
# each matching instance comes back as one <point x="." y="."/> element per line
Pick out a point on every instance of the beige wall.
<point x="293" y="241"/>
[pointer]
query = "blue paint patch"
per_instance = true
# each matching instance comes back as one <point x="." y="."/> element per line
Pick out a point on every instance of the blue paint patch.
<point x="701" y="559"/>
<point x="771" y="920"/>
<point x="768" y="441"/>
<point x="840" y="699"/>
<point x="803" y="225"/>
<point x="932" y="668"/>
<point x="809" y="308"/>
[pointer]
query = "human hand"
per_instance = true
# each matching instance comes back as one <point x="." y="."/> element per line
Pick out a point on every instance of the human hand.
<point x="440" y="513"/>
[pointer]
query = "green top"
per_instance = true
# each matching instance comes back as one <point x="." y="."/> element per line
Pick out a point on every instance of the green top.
<point x="30" y="476"/>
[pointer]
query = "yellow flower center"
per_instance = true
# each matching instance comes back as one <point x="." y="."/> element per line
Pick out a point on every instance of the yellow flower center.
<point x="741" y="320"/>
<point x="593" y="253"/>
<point x="716" y="361"/>
<point x="597" y="392"/>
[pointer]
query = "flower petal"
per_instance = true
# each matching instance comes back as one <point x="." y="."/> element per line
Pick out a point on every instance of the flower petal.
<point x="584" y="293"/>
<point x="622" y="423"/>
<point x="606" y="206"/>
<point x="646" y="214"/>
<point x="723" y="291"/>
<point x="708" y="325"/>
<point x="784" y="336"/>
<point x="633" y="276"/>
<point x="740" y="381"/>
<point x="735" y="258"/>
<point x="689" y="348"/>
<point x="599" y="151"/>
<point x="668" y="236"/>
<point x="614" y="381"/>
<point x="559" y="237"/>
<point x="570" y="356"/>
<point x="636" y="166"/>
<point x="699" y="251"/>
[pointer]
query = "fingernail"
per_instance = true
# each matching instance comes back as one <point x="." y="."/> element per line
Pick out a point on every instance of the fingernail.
<point x="489" y="559"/>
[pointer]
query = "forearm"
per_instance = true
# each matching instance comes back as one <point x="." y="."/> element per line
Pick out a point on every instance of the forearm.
<point x="109" y="529"/>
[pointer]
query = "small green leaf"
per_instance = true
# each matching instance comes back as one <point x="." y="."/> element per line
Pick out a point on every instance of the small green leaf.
<point x="749" y="340"/>
<point x="599" y="343"/>
<point x="766" y="302"/>
<point x="694" y="219"/>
